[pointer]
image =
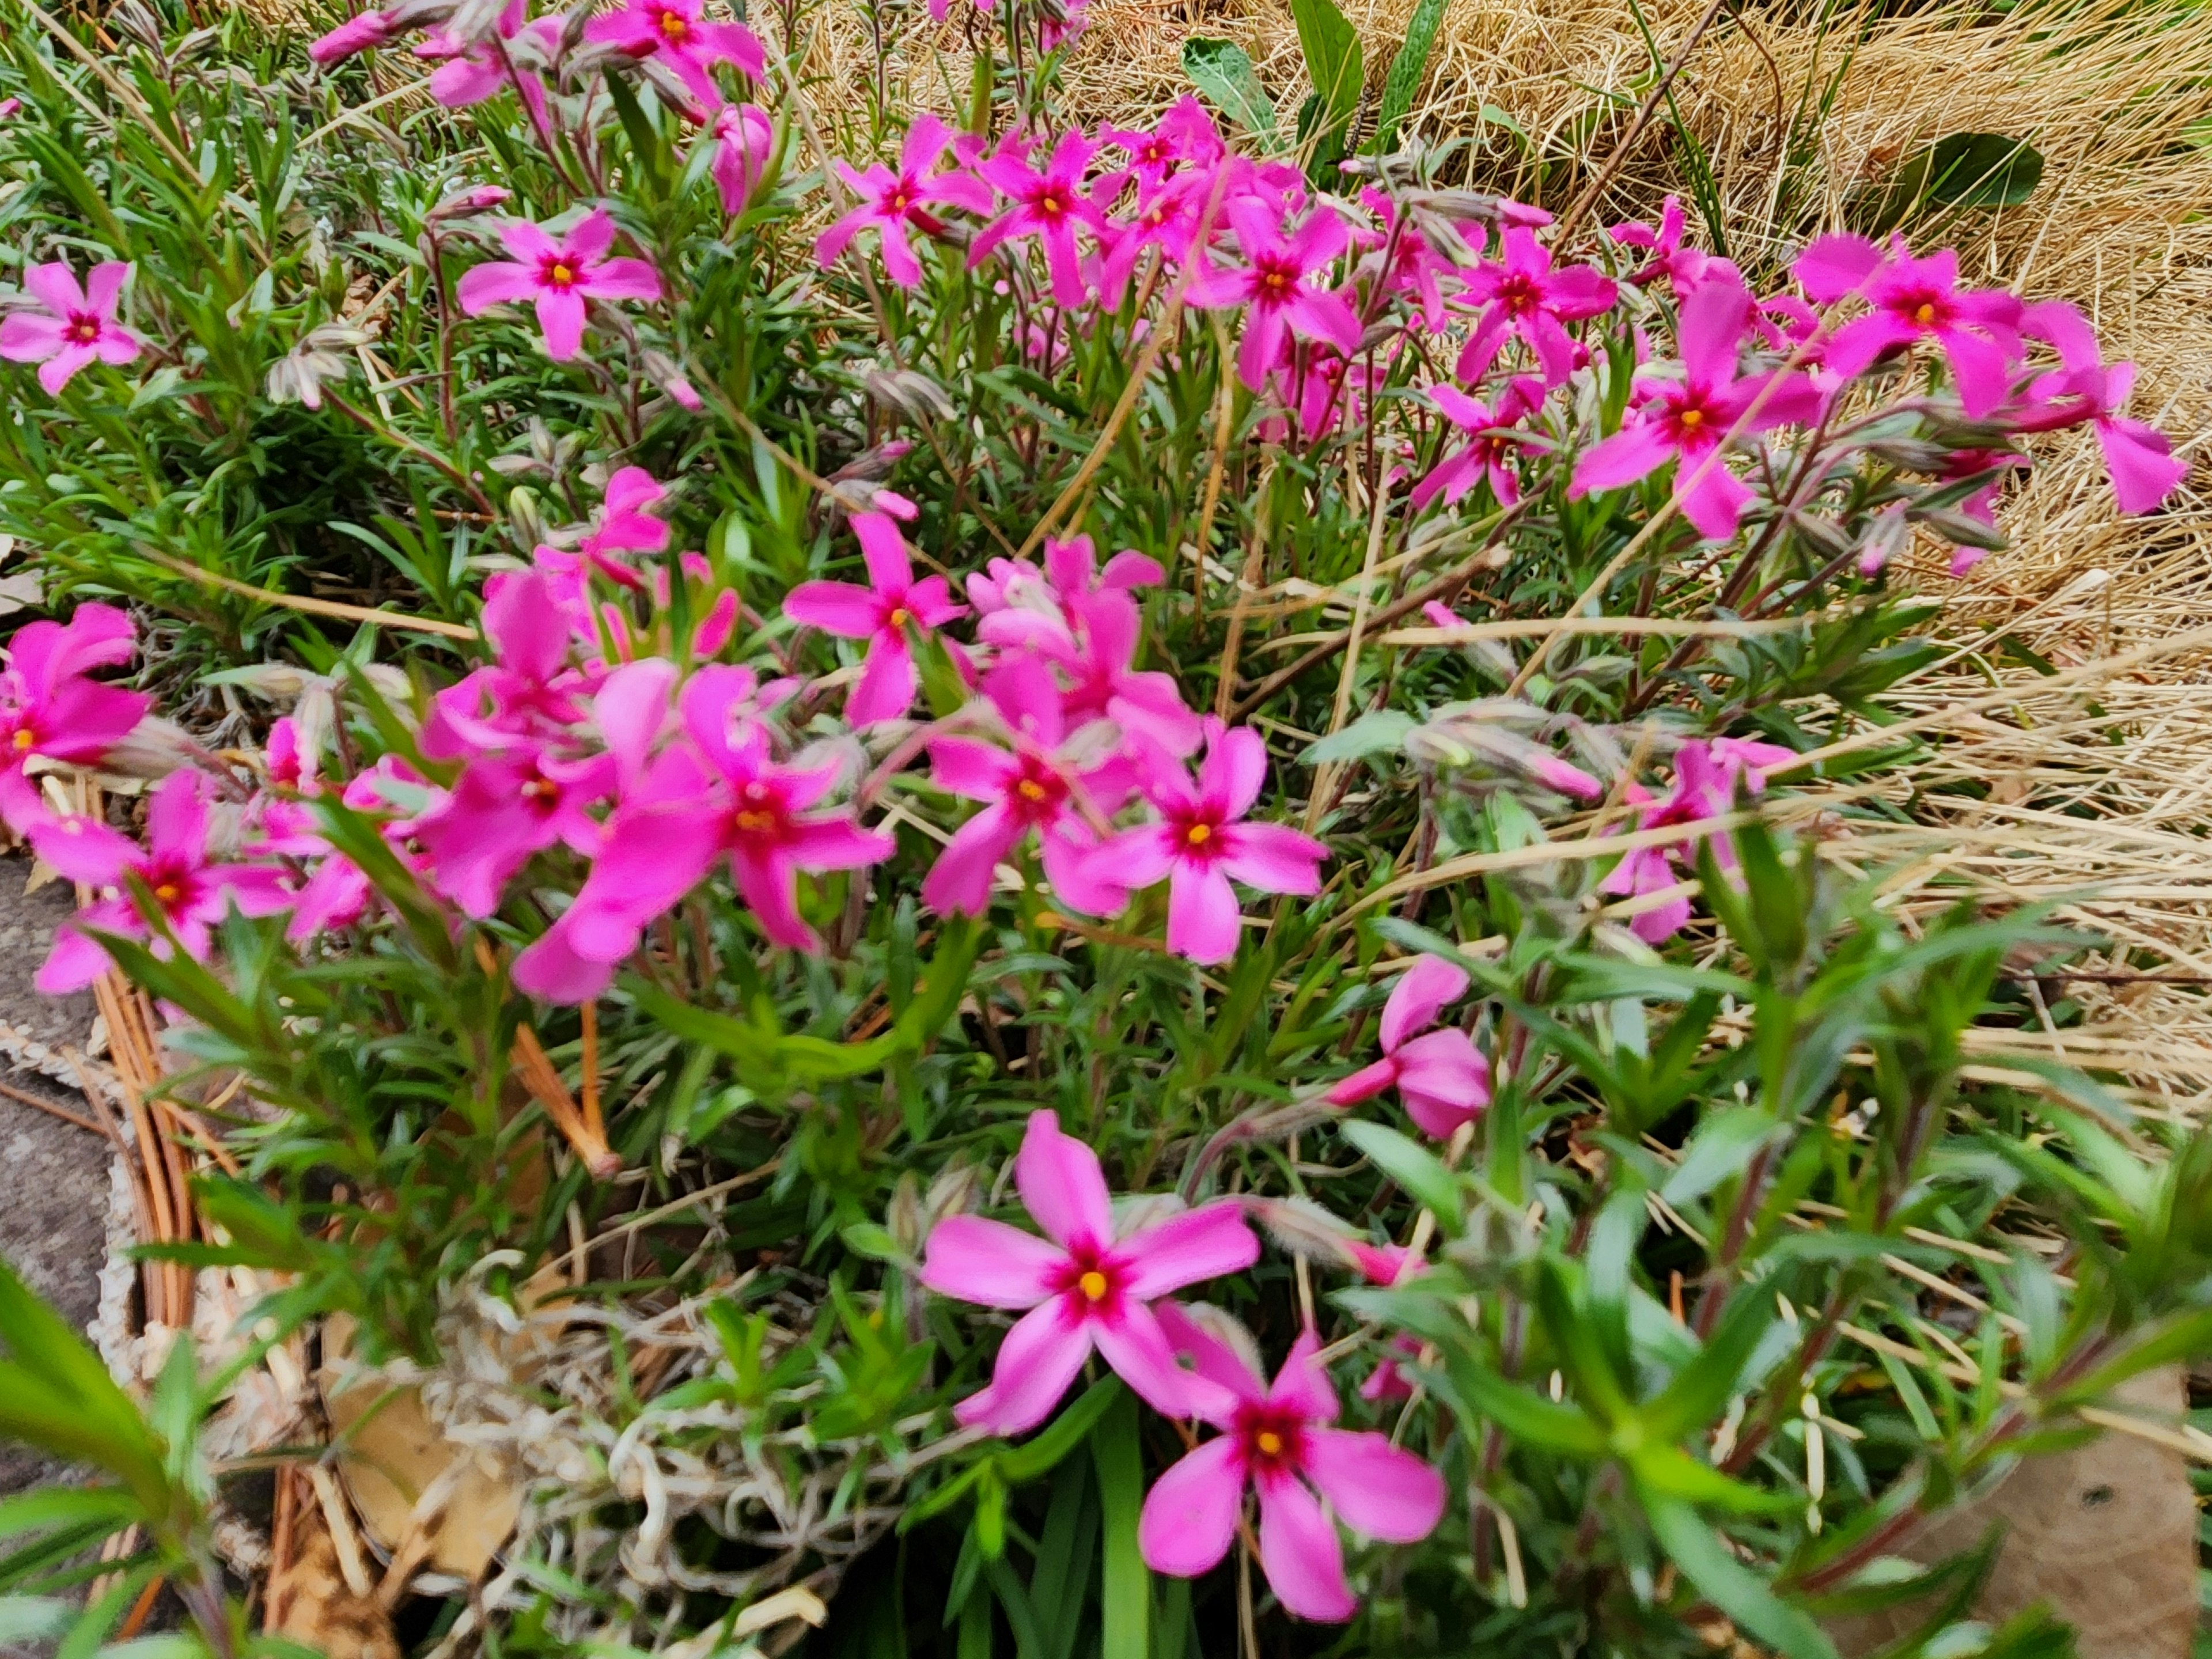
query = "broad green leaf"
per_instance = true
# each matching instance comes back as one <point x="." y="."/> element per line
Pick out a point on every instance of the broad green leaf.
<point x="1224" y="72"/>
<point x="1335" y="60"/>
<point x="1403" y="83"/>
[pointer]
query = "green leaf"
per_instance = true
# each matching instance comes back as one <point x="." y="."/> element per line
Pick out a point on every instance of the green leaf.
<point x="1124" y="1596"/>
<point x="1380" y="731"/>
<point x="1544" y="1424"/>
<point x="1334" y="58"/>
<point x="1982" y="170"/>
<point x="1419" y="1171"/>
<point x="1403" y="83"/>
<point x="1729" y="1585"/>
<point x="1224" y="72"/>
<point x="1038" y="1457"/>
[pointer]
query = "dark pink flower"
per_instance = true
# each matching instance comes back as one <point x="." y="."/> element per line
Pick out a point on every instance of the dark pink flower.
<point x="1522" y="293"/>
<point x="359" y="33"/>
<point x="1280" y="1441"/>
<point x="1200" y="841"/>
<point x="529" y="693"/>
<point x="890" y="201"/>
<point x="1038" y="786"/>
<point x="1440" y="1074"/>
<point x="625" y="526"/>
<point x="558" y="277"/>
<point x="504" y="808"/>
<point x="1416" y="270"/>
<point x="470" y="71"/>
<point x="1910" y="301"/>
<point x="191" y="889"/>
<point x="1684" y="268"/>
<point x="1493" y="435"/>
<point x="680" y="35"/>
<point x="1185" y="138"/>
<point x="1049" y="203"/>
<point x="744" y="142"/>
<point x="2140" y="459"/>
<point x="1705" y="778"/>
<point x="880" y="613"/>
<point x="1690" y="420"/>
<point x="79" y="328"/>
<point x="1083" y="1289"/>
<point x="49" y="706"/>
<point x="1283" y="281"/>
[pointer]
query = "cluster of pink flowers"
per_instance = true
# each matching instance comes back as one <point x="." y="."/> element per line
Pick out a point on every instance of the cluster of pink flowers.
<point x="1087" y="1287"/>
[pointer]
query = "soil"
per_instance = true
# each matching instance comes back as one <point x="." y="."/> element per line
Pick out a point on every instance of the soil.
<point x="53" y="1175"/>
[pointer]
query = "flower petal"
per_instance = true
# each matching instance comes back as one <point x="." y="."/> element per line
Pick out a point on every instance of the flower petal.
<point x="1272" y="857"/>
<point x="1062" y="1186"/>
<point x="989" y="1263"/>
<point x="1203" y="921"/>
<point x="1420" y="994"/>
<point x="1202" y="1243"/>
<point x="1375" y="1488"/>
<point x="1039" y="1358"/>
<point x="1300" y="1554"/>
<point x="1189" y="1518"/>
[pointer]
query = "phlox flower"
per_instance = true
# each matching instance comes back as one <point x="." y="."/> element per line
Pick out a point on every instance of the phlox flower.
<point x="1040" y="786"/>
<point x="1440" y="1074"/>
<point x="1493" y="434"/>
<point x="1070" y="576"/>
<point x="1689" y="421"/>
<point x="49" y="707"/>
<point x="2138" y="457"/>
<point x="625" y="526"/>
<point x="79" y="328"/>
<point x="503" y="808"/>
<point x="558" y="277"/>
<point x="1200" y="840"/>
<point x="744" y="142"/>
<point x="1684" y="268"/>
<point x="191" y="889"/>
<point x="720" y="793"/>
<point x="1416" y="269"/>
<point x="1912" y="299"/>
<point x="879" y="613"/>
<point x="1521" y="292"/>
<point x="1048" y="203"/>
<point x="1282" y="283"/>
<point x="1705" y="778"/>
<point x="1080" y="1288"/>
<point x="890" y="200"/>
<point x="1280" y="1440"/>
<point x="529" y="692"/>
<point x="471" y="71"/>
<point x="359" y="33"/>
<point x="678" y="34"/>
<point x="1185" y="138"/>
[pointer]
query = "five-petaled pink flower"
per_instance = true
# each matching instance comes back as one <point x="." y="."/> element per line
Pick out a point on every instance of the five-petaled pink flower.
<point x="1705" y="779"/>
<point x="1521" y="292"/>
<point x="1280" y="1440"/>
<point x="2139" y="458"/>
<point x="1050" y="205"/>
<point x="1690" y="420"/>
<point x="1684" y="268"/>
<point x="1200" y="841"/>
<point x="1910" y="301"/>
<point x="1440" y="1074"/>
<point x="559" y="276"/>
<point x="1492" y="436"/>
<point x="879" y="613"/>
<point x="891" y="201"/>
<point x="1280" y="282"/>
<point x="49" y="707"/>
<point x="1082" y="1288"/>
<point x="680" y="34"/>
<point x="191" y="889"/>
<point x="79" y="327"/>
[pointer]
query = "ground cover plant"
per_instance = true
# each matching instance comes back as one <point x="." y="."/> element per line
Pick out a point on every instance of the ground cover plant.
<point x="1000" y="885"/>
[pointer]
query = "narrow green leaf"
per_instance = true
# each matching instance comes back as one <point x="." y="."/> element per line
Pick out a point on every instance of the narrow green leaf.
<point x="1126" y="1585"/>
<point x="1729" y="1585"/>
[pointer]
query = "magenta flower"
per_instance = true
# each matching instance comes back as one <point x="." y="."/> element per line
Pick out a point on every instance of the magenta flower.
<point x="357" y="34"/>
<point x="1690" y="420"/>
<point x="678" y="34"/>
<point x="1494" y="434"/>
<point x="1185" y="138"/>
<point x="744" y="142"/>
<point x="1684" y="268"/>
<point x="1913" y="299"/>
<point x="559" y="276"/>
<point x="1277" y="281"/>
<point x="192" y="891"/>
<point x="1200" y="841"/>
<point x="891" y="201"/>
<point x="504" y="808"/>
<point x="1280" y="1441"/>
<point x="79" y="327"/>
<point x="720" y="794"/>
<point x="2139" y="458"/>
<point x="529" y="693"/>
<point x="49" y="707"/>
<point x="1416" y="268"/>
<point x="1705" y="777"/>
<point x="1039" y="785"/>
<point x="1050" y="205"/>
<point x="625" y="526"/>
<point x="471" y="71"/>
<point x="879" y="613"/>
<point x="1522" y="293"/>
<point x="1440" y="1074"/>
<point x="1081" y="1287"/>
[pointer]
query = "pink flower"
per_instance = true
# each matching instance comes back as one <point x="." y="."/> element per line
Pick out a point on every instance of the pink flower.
<point x="1050" y="205"/>
<point x="1440" y="1075"/>
<point x="891" y="201"/>
<point x="745" y="143"/>
<point x="1082" y="1287"/>
<point x="1185" y="138"/>
<point x="2139" y="458"/>
<point x="10" y="108"/>
<point x="1416" y="269"/>
<point x="1524" y="294"/>
<point x="1387" y="1381"/>
<point x="1684" y="268"/>
<point x="678" y="33"/>
<point x="1279" y="283"/>
<point x="357" y="34"/>
<point x="720" y="794"/>
<point x="1038" y="786"/>
<point x="49" y="707"/>
<point x="503" y="808"/>
<point x="190" y="888"/>
<point x="531" y="692"/>
<point x="1689" y="421"/>
<point x="559" y="276"/>
<point x="1200" y="841"/>
<point x="79" y="326"/>
<point x="879" y="613"/>
<point x="1705" y="776"/>
<point x="625" y="526"/>
<point x="1913" y="299"/>
<point x="473" y="70"/>
<point x="1492" y="436"/>
<point x="1279" y="1440"/>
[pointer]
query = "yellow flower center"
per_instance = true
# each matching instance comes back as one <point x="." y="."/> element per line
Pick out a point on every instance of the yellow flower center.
<point x="755" y="824"/>
<point x="1275" y="282"/>
<point x="562" y="275"/>
<point x="84" y="331"/>
<point x="167" y="892"/>
<point x="1050" y="205"/>
<point x="899" y="202"/>
<point x="537" y="789"/>
<point x="1269" y="1442"/>
<point x="24" y="740"/>
<point x="1925" y="315"/>
<point x="1198" y="834"/>
<point x="1029" y="789"/>
<point x="673" y="27"/>
<point x="1694" y="417"/>
<point x="1092" y="1285"/>
<point x="899" y="617"/>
